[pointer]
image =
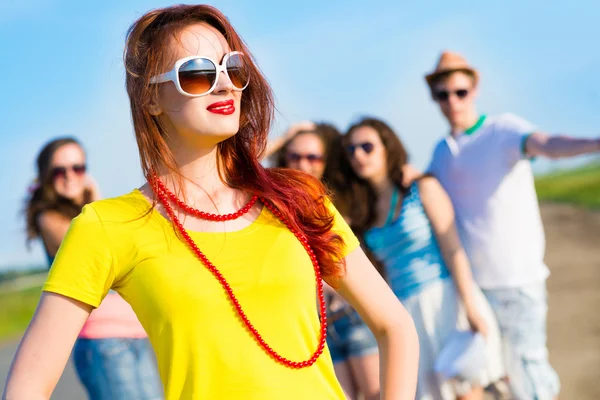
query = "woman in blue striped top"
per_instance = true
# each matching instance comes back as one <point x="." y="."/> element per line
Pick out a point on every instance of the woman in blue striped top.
<point x="410" y="232"/>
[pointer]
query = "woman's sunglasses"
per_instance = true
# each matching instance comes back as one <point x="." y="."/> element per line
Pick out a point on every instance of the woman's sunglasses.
<point x="61" y="172"/>
<point x="367" y="147"/>
<point x="311" y="158"/>
<point x="197" y="76"/>
<point x="444" y="95"/>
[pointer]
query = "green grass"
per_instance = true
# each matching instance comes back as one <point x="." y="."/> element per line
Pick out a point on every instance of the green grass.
<point x="16" y="310"/>
<point x="579" y="186"/>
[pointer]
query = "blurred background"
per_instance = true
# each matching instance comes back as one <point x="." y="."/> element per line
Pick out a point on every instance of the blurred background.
<point x="62" y="74"/>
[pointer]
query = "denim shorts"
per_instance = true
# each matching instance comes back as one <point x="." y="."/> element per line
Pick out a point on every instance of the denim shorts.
<point x="117" y="369"/>
<point x="521" y="314"/>
<point x="348" y="336"/>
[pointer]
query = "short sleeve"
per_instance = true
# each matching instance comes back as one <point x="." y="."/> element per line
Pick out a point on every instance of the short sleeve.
<point x="434" y="164"/>
<point x="340" y="226"/>
<point x="513" y="132"/>
<point x="83" y="268"/>
<point x="432" y="167"/>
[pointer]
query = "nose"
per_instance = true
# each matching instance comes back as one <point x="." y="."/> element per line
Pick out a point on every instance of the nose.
<point x="304" y="165"/>
<point x="454" y="100"/>
<point x="359" y="154"/>
<point x="224" y="84"/>
<point x="71" y="175"/>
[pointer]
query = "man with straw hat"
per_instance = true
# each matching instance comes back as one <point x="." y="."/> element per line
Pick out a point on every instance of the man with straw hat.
<point x="484" y="166"/>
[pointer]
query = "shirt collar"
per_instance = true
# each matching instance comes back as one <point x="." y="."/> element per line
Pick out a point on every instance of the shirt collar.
<point x="475" y="127"/>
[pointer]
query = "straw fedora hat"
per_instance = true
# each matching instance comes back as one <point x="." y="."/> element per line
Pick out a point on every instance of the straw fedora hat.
<point x="451" y="62"/>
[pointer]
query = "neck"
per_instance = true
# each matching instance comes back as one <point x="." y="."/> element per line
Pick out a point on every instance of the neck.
<point x="383" y="186"/>
<point x="80" y="200"/>
<point x="465" y="123"/>
<point x="202" y="183"/>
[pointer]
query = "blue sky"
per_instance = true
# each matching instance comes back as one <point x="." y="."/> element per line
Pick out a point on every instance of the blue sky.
<point x="62" y="73"/>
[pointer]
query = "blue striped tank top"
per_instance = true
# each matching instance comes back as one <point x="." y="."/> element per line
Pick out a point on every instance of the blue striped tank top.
<point x="408" y="249"/>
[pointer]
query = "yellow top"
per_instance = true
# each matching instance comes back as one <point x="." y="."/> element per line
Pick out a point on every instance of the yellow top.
<point x="202" y="347"/>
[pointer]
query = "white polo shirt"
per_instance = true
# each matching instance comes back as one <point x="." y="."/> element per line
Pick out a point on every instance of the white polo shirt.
<point x="490" y="182"/>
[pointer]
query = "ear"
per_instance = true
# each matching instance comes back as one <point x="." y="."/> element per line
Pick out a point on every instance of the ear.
<point x="154" y="108"/>
<point x="475" y="91"/>
<point x="432" y="95"/>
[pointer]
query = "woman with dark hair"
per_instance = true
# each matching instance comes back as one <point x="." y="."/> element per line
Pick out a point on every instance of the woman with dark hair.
<point x="315" y="149"/>
<point x="409" y="232"/>
<point x="112" y="355"/>
<point x="220" y="258"/>
<point x="305" y="147"/>
<point x="61" y="189"/>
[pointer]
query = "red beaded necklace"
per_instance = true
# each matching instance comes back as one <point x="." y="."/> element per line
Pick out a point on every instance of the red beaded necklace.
<point x="164" y="195"/>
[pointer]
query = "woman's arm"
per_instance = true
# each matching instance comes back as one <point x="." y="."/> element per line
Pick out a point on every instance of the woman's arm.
<point x="367" y="292"/>
<point x="53" y="228"/>
<point x="92" y="186"/>
<point x="45" y="347"/>
<point x="274" y="145"/>
<point x="410" y="174"/>
<point x="440" y="212"/>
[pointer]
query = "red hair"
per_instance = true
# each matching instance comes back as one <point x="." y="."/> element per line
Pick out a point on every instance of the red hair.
<point x="300" y="198"/>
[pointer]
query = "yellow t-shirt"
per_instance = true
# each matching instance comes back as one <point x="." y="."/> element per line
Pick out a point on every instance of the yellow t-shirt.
<point x="202" y="347"/>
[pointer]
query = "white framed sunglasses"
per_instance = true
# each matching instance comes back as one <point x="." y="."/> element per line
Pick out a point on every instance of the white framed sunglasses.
<point x="196" y="76"/>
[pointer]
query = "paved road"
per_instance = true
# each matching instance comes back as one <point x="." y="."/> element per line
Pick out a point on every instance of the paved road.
<point x="68" y="387"/>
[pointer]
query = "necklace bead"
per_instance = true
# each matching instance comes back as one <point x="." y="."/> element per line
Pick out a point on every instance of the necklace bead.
<point x="165" y="197"/>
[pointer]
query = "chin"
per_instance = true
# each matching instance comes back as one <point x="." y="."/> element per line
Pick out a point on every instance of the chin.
<point x="226" y="133"/>
<point x="363" y="174"/>
<point x="72" y="196"/>
<point x="452" y="117"/>
<point x="220" y="132"/>
<point x="225" y="128"/>
<point x="457" y="118"/>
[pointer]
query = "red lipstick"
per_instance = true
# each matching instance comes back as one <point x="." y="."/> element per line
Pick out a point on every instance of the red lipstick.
<point x="222" y="107"/>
